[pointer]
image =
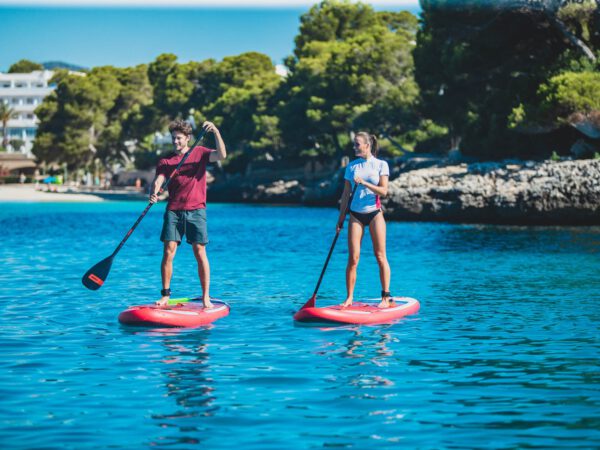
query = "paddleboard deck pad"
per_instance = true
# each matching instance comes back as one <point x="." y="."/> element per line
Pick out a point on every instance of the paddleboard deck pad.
<point x="360" y="313"/>
<point x="185" y="312"/>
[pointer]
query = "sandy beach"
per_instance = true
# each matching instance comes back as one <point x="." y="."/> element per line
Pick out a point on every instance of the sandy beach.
<point x="28" y="193"/>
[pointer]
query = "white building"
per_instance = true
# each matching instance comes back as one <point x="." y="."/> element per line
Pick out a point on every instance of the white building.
<point x="23" y="92"/>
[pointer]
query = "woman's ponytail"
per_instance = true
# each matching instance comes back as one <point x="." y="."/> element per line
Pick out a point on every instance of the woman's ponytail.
<point x="374" y="145"/>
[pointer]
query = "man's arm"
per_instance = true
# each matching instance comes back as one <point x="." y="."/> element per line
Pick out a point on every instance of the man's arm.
<point x="156" y="184"/>
<point x="220" y="153"/>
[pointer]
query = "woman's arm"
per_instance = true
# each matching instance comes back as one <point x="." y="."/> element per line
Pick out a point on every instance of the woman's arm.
<point x="381" y="189"/>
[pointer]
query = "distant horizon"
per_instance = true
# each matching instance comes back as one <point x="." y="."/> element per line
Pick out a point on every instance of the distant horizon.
<point x="126" y="36"/>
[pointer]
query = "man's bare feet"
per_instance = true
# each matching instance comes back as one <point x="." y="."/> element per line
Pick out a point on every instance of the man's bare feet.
<point x="347" y="302"/>
<point x="386" y="300"/>
<point x="164" y="301"/>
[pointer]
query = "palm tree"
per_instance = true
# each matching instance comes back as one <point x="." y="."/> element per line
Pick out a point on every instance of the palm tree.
<point x="6" y="113"/>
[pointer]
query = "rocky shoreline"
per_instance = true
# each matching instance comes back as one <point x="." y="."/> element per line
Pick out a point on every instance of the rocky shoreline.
<point x="520" y="193"/>
<point x="508" y="192"/>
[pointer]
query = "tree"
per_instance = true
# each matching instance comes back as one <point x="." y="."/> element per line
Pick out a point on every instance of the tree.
<point x="477" y="62"/>
<point x="25" y="66"/>
<point x="172" y="85"/>
<point x="16" y="144"/>
<point x="236" y="93"/>
<point x="6" y="113"/>
<point x="243" y="109"/>
<point x="89" y="118"/>
<point x="351" y="67"/>
<point x="570" y="98"/>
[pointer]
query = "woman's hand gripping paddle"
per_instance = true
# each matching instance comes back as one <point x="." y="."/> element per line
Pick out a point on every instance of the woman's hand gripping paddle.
<point x="95" y="277"/>
<point x="311" y="301"/>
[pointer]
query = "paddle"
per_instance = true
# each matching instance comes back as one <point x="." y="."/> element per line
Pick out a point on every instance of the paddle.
<point x="95" y="277"/>
<point x="311" y="301"/>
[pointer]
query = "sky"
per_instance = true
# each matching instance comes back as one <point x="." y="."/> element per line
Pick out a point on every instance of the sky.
<point x="125" y="33"/>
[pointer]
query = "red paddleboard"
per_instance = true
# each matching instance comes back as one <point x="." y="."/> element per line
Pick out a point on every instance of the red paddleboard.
<point x="181" y="312"/>
<point x="359" y="313"/>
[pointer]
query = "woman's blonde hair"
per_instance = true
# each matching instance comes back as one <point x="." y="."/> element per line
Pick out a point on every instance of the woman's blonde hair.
<point x="371" y="139"/>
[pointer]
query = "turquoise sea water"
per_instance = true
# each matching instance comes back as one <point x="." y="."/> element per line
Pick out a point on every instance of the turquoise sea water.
<point x="503" y="354"/>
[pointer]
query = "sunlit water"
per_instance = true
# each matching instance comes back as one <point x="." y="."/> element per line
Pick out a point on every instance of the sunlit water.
<point x="503" y="354"/>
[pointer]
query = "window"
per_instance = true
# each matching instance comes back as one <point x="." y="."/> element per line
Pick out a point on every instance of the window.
<point x="31" y="101"/>
<point x="30" y="132"/>
<point x="31" y="116"/>
<point x="20" y="85"/>
<point x="5" y="84"/>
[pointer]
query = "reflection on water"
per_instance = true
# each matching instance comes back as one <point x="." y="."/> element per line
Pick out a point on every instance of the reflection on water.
<point x="365" y="343"/>
<point x="185" y="374"/>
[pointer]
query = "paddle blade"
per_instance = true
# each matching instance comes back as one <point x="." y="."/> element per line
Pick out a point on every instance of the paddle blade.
<point x="310" y="303"/>
<point x="95" y="277"/>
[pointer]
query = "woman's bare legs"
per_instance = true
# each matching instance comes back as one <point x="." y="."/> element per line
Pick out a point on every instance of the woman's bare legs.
<point x="355" y="234"/>
<point x="377" y="229"/>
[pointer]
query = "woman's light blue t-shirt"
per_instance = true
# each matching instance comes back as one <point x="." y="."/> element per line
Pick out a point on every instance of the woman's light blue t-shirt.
<point x="370" y="170"/>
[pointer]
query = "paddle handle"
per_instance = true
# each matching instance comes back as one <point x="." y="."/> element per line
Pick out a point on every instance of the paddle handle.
<point x="162" y="189"/>
<point x="337" y="235"/>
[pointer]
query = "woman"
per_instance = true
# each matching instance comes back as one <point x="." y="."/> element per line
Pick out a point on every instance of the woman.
<point x="371" y="175"/>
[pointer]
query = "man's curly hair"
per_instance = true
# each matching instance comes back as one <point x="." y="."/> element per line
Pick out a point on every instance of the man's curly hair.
<point x="180" y="126"/>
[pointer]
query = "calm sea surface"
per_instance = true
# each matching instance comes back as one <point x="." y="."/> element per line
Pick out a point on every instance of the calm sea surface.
<point x="503" y="354"/>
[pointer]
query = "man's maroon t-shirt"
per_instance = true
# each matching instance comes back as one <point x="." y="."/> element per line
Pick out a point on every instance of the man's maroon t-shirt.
<point x="187" y="190"/>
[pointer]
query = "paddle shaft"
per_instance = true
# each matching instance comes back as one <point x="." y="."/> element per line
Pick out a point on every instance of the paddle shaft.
<point x="337" y="235"/>
<point x="162" y="189"/>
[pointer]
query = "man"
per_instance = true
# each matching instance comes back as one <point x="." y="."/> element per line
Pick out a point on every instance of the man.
<point x="186" y="209"/>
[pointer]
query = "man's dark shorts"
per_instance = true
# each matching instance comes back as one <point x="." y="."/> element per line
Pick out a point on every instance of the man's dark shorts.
<point x="192" y="224"/>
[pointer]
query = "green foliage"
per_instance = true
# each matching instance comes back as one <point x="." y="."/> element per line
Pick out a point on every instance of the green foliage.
<point x="492" y="76"/>
<point x="555" y="156"/>
<point x="352" y="67"/>
<point x="6" y="113"/>
<point x="428" y="137"/>
<point x="479" y="68"/>
<point x="172" y="85"/>
<point x="16" y="144"/>
<point x="24" y="66"/>
<point x="90" y="117"/>
<point x="236" y="93"/>
<point x="247" y="84"/>
<point x="558" y="100"/>
<point x="572" y="92"/>
<point x="579" y="16"/>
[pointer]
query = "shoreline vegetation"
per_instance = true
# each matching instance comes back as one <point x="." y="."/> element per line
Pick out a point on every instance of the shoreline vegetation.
<point x="511" y="84"/>
<point x="432" y="189"/>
